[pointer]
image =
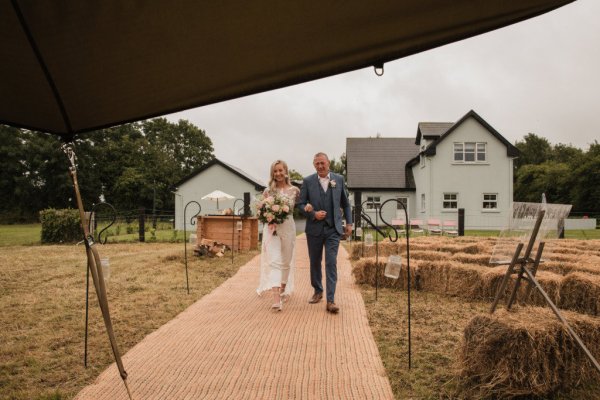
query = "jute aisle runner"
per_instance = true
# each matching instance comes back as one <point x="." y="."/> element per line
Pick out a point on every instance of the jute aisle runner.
<point x="230" y="345"/>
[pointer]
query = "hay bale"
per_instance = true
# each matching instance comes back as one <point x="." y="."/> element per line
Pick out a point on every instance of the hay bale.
<point x="580" y="292"/>
<point x="492" y="279"/>
<point x="527" y="352"/>
<point x="366" y="271"/>
<point x="469" y="258"/>
<point x="359" y="250"/>
<point x="438" y="266"/>
<point x="451" y="278"/>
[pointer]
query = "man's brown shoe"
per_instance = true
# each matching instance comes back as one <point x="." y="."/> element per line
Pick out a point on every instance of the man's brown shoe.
<point x="332" y="308"/>
<point x="316" y="298"/>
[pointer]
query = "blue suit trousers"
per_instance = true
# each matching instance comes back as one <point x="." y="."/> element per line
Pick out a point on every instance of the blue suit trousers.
<point x="329" y="240"/>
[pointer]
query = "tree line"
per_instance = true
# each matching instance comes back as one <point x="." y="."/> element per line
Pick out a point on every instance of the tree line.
<point x="130" y="166"/>
<point x="136" y="165"/>
<point x="566" y="174"/>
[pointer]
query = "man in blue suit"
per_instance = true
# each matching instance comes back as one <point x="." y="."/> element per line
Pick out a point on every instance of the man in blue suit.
<point x="323" y="197"/>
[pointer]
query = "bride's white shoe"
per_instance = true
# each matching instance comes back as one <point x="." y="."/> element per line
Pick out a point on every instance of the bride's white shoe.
<point x="277" y="306"/>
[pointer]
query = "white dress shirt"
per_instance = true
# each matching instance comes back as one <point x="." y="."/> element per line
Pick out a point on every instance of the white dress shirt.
<point x="324" y="182"/>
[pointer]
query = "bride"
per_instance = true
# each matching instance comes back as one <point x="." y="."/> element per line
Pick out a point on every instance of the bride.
<point x="277" y="258"/>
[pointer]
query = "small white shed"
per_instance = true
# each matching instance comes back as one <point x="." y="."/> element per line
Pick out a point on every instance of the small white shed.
<point x="215" y="175"/>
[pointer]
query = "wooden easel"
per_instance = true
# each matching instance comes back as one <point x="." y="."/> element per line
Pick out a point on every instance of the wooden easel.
<point x="527" y="273"/>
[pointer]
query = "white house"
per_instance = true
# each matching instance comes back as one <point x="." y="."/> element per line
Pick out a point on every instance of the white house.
<point x="466" y="164"/>
<point x="215" y="175"/>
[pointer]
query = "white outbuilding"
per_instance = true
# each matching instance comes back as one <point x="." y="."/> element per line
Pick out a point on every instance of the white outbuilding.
<point x="213" y="176"/>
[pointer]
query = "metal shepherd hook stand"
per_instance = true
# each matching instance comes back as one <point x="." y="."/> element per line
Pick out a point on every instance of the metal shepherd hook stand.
<point x="93" y="260"/>
<point x="233" y="214"/>
<point x="394" y="239"/>
<point x="87" y="274"/>
<point x="192" y="222"/>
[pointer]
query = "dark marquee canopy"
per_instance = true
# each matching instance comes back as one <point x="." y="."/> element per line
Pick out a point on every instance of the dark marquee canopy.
<point x="68" y="67"/>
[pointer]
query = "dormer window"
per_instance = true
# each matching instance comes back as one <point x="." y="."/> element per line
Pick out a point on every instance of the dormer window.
<point x="469" y="152"/>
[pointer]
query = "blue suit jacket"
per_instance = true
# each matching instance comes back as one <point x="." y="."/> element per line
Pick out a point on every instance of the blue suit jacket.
<point x="310" y="193"/>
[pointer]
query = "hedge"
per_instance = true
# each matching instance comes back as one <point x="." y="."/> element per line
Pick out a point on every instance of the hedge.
<point x="60" y="226"/>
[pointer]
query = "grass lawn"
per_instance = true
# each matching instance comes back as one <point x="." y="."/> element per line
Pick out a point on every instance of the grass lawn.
<point x="24" y="235"/>
<point x="20" y="235"/>
<point x="42" y="298"/>
<point x="30" y="234"/>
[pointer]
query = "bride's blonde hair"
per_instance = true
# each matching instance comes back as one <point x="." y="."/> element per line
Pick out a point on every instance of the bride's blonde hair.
<point x="272" y="182"/>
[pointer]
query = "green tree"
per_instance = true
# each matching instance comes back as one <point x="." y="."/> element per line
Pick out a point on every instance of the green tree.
<point x="295" y="175"/>
<point x="125" y="164"/>
<point x="533" y="150"/>
<point x="339" y="167"/>
<point x="566" y="153"/>
<point x="586" y="191"/>
<point x="11" y="172"/>
<point x="553" y="179"/>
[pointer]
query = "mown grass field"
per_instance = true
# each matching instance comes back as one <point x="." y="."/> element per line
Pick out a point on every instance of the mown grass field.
<point x="29" y="234"/>
<point x="42" y="298"/>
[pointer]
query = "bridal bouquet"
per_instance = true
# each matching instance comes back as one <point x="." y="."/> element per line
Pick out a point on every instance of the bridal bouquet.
<point x="273" y="209"/>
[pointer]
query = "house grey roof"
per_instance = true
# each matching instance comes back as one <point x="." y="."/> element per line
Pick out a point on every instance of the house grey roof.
<point x="431" y="130"/>
<point x="511" y="151"/>
<point x="379" y="163"/>
<point x="258" y="185"/>
<point x="248" y="177"/>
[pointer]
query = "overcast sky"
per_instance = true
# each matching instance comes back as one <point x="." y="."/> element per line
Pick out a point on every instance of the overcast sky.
<point x="541" y="75"/>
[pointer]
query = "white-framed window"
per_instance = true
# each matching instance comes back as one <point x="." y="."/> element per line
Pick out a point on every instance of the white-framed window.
<point x="481" y="152"/>
<point x="469" y="152"/>
<point x="490" y="201"/>
<point x="450" y="201"/>
<point x="423" y="204"/>
<point x="373" y="202"/>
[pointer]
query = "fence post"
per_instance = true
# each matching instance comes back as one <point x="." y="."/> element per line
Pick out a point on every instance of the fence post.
<point x="141" y="221"/>
<point x="246" y="204"/>
<point x="461" y="222"/>
<point x="357" y="210"/>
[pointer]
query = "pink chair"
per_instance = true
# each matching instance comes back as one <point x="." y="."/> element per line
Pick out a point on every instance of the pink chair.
<point x="400" y="224"/>
<point x="434" y="226"/>
<point x="450" y="228"/>
<point x="416" y="226"/>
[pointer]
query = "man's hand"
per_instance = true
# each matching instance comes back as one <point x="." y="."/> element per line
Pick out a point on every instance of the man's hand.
<point x="348" y="230"/>
<point x="320" y="215"/>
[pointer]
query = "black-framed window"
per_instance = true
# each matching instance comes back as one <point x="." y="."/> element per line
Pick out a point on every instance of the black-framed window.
<point x="450" y="201"/>
<point x="373" y="202"/>
<point x="490" y="201"/>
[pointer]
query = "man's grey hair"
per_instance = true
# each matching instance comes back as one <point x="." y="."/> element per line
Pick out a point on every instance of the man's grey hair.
<point x="321" y="154"/>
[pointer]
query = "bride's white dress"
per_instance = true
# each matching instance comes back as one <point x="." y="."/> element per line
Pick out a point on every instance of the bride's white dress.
<point x="277" y="260"/>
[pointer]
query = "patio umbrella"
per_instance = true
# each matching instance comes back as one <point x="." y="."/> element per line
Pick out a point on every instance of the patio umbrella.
<point x="216" y="195"/>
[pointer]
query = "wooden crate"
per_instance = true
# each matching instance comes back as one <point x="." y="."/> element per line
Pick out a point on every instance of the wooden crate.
<point x="219" y="228"/>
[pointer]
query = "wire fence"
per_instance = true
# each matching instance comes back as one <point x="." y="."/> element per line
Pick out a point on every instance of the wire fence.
<point x="135" y="225"/>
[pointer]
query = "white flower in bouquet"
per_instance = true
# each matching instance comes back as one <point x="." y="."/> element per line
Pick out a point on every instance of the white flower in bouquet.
<point x="272" y="209"/>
